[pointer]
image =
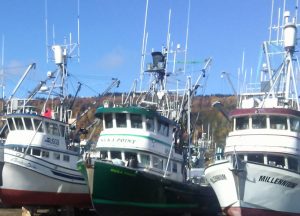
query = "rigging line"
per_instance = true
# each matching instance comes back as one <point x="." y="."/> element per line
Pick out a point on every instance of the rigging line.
<point x="90" y="88"/>
<point x="77" y="79"/>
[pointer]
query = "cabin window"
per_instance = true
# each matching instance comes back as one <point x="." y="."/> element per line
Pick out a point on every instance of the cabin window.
<point x="174" y="167"/>
<point x="276" y="160"/>
<point x="136" y="121"/>
<point x="278" y="122"/>
<point x="121" y="120"/>
<point x="258" y="158"/>
<point x="28" y="123"/>
<point x="150" y="124"/>
<point x="56" y="155"/>
<point x="19" y="124"/>
<point x="163" y="128"/>
<point x="62" y="130"/>
<point x="45" y="154"/>
<point x="38" y="125"/>
<point x="241" y="156"/>
<point x="295" y="124"/>
<point x="52" y="128"/>
<point x="108" y="120"/>
<point x="18" y="149"/>
<point x="11" y="124"/>
<point x="259" y="121"/>
<point x="145" y="160"/>
<point x="66" y="158"/>
<point x="115" y="154"/>
<point x="293" y="163"/>
<point x="158" y="162"/>
<point x="103" y="155"/>
<point x="36" y="152"/>
<point x="169" y="166"/>
<point x="130" y="155"/>
<point x="242" y="123"/>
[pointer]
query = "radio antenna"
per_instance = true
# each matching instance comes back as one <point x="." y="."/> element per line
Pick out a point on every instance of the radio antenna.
<point x="144" y="45"/>
<point x="78" y="31"/>
<point x="187" y="36"/>
<point x="46" y="29"/>
<point x="68" y="45"/>
<point x="2" y="72"/>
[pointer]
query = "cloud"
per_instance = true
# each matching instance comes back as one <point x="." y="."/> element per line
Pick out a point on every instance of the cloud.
<point x="14" y="67"/>
<point x="112" y="60"/>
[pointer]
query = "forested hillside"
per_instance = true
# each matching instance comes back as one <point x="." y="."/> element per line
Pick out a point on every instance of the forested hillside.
<point x="204" y="118"/>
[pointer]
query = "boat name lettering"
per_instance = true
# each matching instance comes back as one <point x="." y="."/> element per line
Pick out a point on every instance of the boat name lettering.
<point x="120" y="140"/>
<point x="52" y="141"/>
<point x="216" y="178"/>
<point x="278" y="181"/>
<point x="121" y="172"/>
<point x="22" y="162"/>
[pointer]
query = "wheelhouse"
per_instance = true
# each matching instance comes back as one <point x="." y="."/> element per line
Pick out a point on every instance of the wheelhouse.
<point x="276" y="121"/>
<point x="35" y="123"/>
<point x="137" y="121"/>
<point x="135" y="118"/>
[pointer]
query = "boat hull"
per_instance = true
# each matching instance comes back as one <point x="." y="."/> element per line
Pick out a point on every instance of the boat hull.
<point x="120" y="189"/>
<point x="255" y="189"/>
<point x="25" y="186"/>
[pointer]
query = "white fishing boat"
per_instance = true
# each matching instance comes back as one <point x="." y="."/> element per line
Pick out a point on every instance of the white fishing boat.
<point x="260" y="174"/>
<point x="39" y="157"/>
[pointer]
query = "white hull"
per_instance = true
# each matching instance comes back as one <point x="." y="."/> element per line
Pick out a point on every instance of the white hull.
<point x="255" y="189"/>
<point x="30" y="180"/>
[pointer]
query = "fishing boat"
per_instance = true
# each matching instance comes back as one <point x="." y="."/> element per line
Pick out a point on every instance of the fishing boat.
<point x="39" y="155"/>
<point x="260" y="174"/>
<point x="140" y="165"/>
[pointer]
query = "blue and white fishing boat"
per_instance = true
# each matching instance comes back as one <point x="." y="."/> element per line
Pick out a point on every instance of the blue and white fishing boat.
<point x="39" y="157"/>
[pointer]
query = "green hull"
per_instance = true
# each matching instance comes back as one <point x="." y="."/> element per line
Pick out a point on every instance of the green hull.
<point x="122" y="189"/>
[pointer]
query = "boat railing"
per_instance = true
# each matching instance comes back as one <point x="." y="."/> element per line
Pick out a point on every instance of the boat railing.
<point x="20" y="106"/>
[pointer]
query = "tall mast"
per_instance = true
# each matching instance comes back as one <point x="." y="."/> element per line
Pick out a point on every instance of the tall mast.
<point x="144" y="47"/>
<point x="187" y="35"/>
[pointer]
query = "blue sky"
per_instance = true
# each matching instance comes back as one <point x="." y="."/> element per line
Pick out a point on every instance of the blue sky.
<point x="111" y="33"/>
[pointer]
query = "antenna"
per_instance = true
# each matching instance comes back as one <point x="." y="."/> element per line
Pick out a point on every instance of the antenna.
<point x="278" y="25"/>
<point x="144" y="46"/>
<point x="168" y="33"/>
<point x="296" y="13"/>
<point x="283" y="18"/>
<point x="167" y="49"/>
<point x="46" y="29"/>
<point x="53" y="34"/>
<point x="67" y="48"/>
<point x="2" y="71"/>
<point x="187" y="35"/>
<point x="271" y="19"/>
<point x="78" y="31"/>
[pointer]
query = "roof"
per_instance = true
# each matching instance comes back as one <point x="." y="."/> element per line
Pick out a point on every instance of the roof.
<point x="266" y="111"/>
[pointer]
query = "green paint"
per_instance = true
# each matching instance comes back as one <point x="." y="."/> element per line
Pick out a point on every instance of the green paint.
<point x="142" y="204"/>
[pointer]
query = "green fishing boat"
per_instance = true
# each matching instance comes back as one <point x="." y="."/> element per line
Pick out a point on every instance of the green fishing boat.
<point x="140" y="162"/>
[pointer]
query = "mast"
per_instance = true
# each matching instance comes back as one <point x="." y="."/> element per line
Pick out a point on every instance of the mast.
<point x="144" y="46"/>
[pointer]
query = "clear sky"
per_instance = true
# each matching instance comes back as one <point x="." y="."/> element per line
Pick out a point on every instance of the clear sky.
<point x="111" y="33"/>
